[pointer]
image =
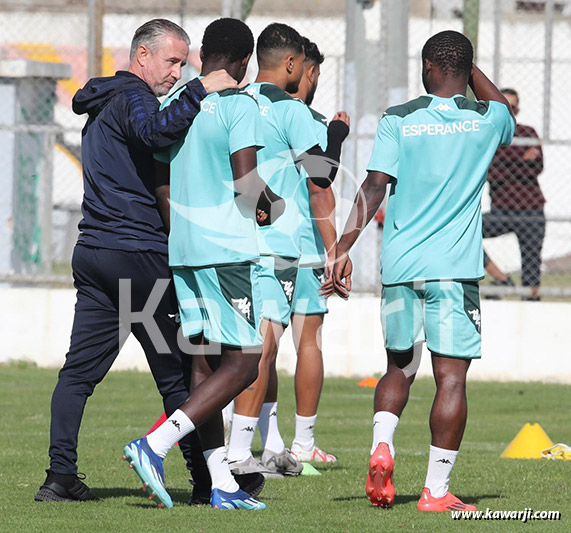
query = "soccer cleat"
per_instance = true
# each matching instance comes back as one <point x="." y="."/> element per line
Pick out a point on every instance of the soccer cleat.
<point x="149" y="467"/>
<point x="234" y="500"/>
<point x="313" y="455"/>
<point x="380" y="488"/>
<point x="252" y="483"/>
<point x="447" y="503"/>
<point x="251" y="466"/>
<point x="64" y="488"/>
<point x="282" y="463"/>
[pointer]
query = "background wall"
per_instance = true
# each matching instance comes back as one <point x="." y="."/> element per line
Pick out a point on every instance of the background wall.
<point x="522" y="341"/>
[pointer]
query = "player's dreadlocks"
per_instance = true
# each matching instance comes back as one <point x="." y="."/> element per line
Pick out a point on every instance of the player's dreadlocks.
<point x="451" y="51"/>
<point x="227" y="38"/>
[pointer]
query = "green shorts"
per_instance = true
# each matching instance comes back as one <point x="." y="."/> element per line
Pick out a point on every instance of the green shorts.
<point x="278" y="281"/>
<point x="307" y="300"/>
<point x="445" y="314"/>
<point x="222" y="302"/>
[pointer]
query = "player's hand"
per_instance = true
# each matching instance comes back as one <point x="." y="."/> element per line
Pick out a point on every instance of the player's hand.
<point x="339" y="126"/>
<point x="262" y="217"/>
<point x="270" y="207"/>
<point x="327" y="288"/>
<point x="532" y="154"/>
<point x="343" y="117"/>
<point x="342" y="271"/>
<point x="330" y="262"/>
<point x="219" y="80"/>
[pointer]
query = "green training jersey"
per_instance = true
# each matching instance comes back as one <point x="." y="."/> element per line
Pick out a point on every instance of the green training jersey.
<point x="437" y="151"/>
<point x="312" y="247"/>
<point x="288" y="131"/>
<point x="208" y="227"/>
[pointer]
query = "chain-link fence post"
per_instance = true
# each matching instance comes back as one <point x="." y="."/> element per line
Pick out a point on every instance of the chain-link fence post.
<point x="95" y="12"/>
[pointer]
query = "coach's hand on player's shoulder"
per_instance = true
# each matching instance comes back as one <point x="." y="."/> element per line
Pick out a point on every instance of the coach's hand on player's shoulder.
<point x="342" y="271"/>
<point x="219" y="80"/>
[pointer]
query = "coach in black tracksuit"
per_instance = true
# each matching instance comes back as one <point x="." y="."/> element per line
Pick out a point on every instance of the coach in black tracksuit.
<point x="122" y="236"/>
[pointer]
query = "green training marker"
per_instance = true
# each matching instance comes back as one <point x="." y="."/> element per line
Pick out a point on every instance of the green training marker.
<point x="309" y="470"/>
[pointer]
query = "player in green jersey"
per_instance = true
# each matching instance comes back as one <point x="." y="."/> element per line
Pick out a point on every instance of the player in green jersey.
<point x="214" y="193"/>
<point x="435" y="152"/>
<point x="309" y="306"/>
<point x="290" y="143"/>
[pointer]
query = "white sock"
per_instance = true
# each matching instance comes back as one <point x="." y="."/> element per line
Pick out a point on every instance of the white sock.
<point x="304" y="428"/>
<point x="440" y="463"/>
<point x="217" y="463"/>
<point x="174" y="428"/>
<point x="384" y="426"/>
<point x="269" y="431"/>
<point x="227" y="414"/>
<point x="241" y="437"/>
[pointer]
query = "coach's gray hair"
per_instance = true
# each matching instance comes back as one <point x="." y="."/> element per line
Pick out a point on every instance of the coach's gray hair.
<point x="151" y="34"/>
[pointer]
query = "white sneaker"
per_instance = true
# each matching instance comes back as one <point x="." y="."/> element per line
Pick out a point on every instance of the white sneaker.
<point x="313" y="455"/>
<point x="251" y="465"/>
<point x="282" y="463"/>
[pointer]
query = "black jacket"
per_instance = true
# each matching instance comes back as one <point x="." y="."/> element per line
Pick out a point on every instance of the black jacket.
<point x="124" y="128"/>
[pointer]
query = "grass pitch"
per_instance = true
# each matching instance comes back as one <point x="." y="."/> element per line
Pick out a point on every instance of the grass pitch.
<point x="126" y="404"/>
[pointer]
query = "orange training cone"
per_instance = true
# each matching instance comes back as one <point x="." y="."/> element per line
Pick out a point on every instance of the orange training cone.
<point x="528" y="443"/>
<point x="368" y="382"/>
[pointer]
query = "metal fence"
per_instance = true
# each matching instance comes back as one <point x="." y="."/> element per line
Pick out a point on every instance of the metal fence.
<point x="372" y="51"/>
<point x="524" y="45"/>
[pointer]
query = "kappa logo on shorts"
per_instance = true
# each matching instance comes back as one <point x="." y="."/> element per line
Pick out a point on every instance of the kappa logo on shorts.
<point x="475" y="316"/>
<point x="244" y="305"/>
<point x="288" y="288"/>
